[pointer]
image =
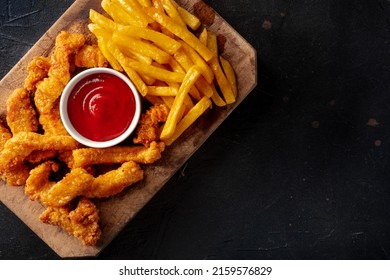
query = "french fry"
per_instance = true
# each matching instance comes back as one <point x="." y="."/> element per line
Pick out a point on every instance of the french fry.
<point x="136" y="9"/>
<point x="216" y="98"/>
<point x="161" y="40"/>
<point x="222" y="81"/>
<point x="198" y="60"/>
<point x="192" y="21"/>
<point x="134" y="77"/>
<point x="201" y="84"/>
<point x="121" y="15"/>
<point x="203" y="37"/>
<point x="173" y="117"/>
<point x="101" y="20"/>
<point x="153" y="71"/>
<point x="192" y="115"/>
<point x="212" y="43"/>
<point x="230" y="75"/>
<point x="175" y="66"/>
<point x="180" y="31"/>
<point x="147" y="79"/>
<point x="136" y="55"/>
<point x="172" y="12"/>
<point x="162" y="90"/>
<point x="145" y="3"/>
<point x="141" y="47"/>
<point x="103" y="36"/>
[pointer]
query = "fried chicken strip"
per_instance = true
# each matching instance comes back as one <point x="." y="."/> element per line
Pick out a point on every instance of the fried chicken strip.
<point x="74" y="184"/>
<point x="5" y="135"/>
<point x="118" y="154"/>
<point x="50" y="88"/>
<point x="82" y="222"/>
<point x="148" y="127"/>
<point x="21" y="145"/>
<point x="51" y="121"/>
<point x="38" y="69"/>
<point x="90" y="56"/>
<point x="21" y="115"/>
<point x="80" y="183"/>
<point x="38" y="180"/>
<point x="115" y="181"/>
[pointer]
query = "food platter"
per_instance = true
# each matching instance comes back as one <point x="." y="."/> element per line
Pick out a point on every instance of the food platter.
<point x="117" y="211"/>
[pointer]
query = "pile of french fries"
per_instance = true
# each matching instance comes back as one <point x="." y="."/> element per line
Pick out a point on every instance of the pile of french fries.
<point x="154" y="43"/>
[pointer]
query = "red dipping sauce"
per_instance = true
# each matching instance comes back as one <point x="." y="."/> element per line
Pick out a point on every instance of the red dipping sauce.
<point x="101" y="107"/>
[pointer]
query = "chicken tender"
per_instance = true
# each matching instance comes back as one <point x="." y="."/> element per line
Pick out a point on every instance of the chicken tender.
<point x="115" y="181"/>
<point x="21" y="115"/>
<point x="90" y="56"/>
<point x="74" y="184"/>
<point x="79" y="182"/>
<point x="15" y="176"/>
<point x="51" y="121"/>
<point x="50" y="88"/>
<point x="148" y="127"/>
<point x="5" y="135"/>
<point x="21" y="145"/>
<point x="38" y="69"/>
<point x="82" y="222"/>
<point x="118" y="154"/>
<point x="38" y="180"/>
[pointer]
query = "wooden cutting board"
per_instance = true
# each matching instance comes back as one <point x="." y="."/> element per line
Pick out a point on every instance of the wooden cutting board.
<point x="117" y="211"/>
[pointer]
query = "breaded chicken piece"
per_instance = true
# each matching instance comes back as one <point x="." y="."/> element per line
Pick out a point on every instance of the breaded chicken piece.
<point x="15" y="176"/>
<point x="37" y="157"/>
<point x="5" y="135"/>
<point x="74" y="184"/>
<point x="82" y="222"/>
<point x="38" y="181"/>
<point x="115" y="181"/>
<point x="50" y="88"/>
<point x="90" y="56"/>
<point x="51" y="121"/>
<point x="118" y="154"/>
<point x="148" y="127"/>
<point x="21" y="115"/>
<point x="21" y="145"/>
<point x="79" y="182"/>
<point x="66" y="46"/>
<point x="38" y="69"/>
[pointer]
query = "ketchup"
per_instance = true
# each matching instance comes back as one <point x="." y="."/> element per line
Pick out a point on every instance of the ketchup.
<point x="101" y="107"/>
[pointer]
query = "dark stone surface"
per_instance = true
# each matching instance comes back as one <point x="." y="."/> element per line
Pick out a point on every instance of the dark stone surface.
<point x="300" y="170"/>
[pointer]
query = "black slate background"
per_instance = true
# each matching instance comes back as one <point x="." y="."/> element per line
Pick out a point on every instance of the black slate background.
<point x="300" y="170"/>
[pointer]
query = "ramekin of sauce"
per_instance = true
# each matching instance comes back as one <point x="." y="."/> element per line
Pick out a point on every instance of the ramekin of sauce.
<point x="100" y="107"/>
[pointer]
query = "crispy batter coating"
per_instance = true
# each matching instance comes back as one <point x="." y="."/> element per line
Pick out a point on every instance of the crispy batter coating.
<point x="118" y="154"/>
<point x="90" y="56"/>
<point x="74" y="184"/>
<point x="51" y="121"/>
<point x="115" y="181"/>
<point x="148" y="127"/>
<point x="38" y="156"/>
<point x="82" y="222"/>
<point x="79" y="182"/>
<point x="49" y="89"/>
<point x="5" y="135"/>
<point x="21" y="115"/>
<point x="66" y="46"/>
<point x="38" y="69"/>
<point x="21" y="145"/>
<point x="15" y="176"/>
<point x="38" y="180"/>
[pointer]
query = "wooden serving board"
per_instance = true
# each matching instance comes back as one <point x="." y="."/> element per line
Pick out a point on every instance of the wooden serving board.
<point x="117" y="211"/>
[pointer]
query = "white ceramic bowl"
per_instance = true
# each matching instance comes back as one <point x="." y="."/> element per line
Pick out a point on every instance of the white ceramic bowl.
<point x="70" y="127"/>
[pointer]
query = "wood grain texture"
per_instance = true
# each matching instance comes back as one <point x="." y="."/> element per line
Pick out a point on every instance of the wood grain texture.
<point x="117" y="211"/>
